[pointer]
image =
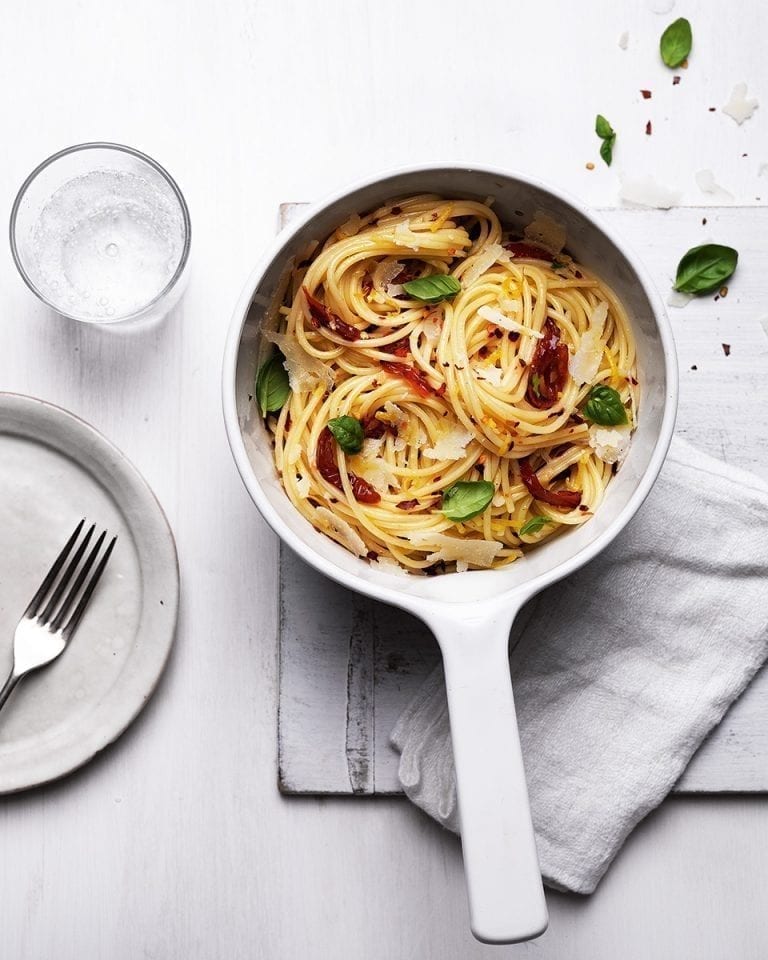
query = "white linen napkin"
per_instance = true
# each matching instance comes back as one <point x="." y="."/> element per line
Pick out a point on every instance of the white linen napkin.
<point x="622" y="669"/>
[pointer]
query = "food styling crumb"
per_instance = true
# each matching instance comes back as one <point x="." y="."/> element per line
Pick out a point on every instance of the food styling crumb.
<point x="694" y="367"/>
<point x="727" y="349"/>
<point x="590" y="166"/>
<point x="646" y="94"/>
<point x="723" y="291"/>
<point x="675" y="81"/>
<point x="703" y="221"/>
<point x="648" y="128"/>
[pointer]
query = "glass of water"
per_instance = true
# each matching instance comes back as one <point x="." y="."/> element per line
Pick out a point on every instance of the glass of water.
<point x="101" y="233"/>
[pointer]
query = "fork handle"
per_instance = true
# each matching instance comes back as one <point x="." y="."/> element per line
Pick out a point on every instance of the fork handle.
<point x="8" y="687"/>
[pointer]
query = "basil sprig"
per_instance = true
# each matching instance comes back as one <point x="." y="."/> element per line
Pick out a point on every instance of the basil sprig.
<point x="348" y="433"/>
<point x="272" y="388"/>
<point x="704" y="269"/>
<point x="604" y="407"/>
<point x="676" y="42"/>
<point x="608" y="135"/>
<point x="534" y="525"/>
<point x="467" y="499"/>
<point x="440" y="286"/>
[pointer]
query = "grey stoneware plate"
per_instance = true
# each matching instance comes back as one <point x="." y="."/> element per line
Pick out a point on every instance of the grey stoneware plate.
<point x="54" y="470"/>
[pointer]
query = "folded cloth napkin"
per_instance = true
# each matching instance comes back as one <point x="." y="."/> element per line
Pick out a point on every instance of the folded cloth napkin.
<point x="622" y="669"/>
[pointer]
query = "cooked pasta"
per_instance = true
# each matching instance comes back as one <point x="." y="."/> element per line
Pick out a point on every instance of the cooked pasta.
<point x="457" y="395"/>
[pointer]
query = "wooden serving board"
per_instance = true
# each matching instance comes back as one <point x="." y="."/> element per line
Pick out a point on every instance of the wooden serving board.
<point x="349" y="665"/>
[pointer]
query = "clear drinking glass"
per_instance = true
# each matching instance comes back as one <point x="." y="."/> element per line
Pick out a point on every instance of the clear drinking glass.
<point x="100" y="232"/>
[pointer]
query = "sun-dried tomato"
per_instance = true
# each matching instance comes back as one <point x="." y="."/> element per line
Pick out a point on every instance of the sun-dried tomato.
<point x="325" y="457"/>
<point x="415" y="377"/>
<point x="321" y="316"/>
<point x="399" y="348"/>
<point x="527" y="251"/>
<point x="570" y="499"/>
<point x="407" y="504"/>
<point x="374" y="429"/>
<point x="411" y="269"/>
<point x="549" y="368"/>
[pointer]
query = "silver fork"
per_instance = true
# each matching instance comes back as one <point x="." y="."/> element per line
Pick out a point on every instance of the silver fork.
<point x="43" y="634"/>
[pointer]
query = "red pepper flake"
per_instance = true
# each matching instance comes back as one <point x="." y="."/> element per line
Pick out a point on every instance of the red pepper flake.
<point x="527" y="251"/>
<point x="727" y="349"/>
<point x="569" y="499"/>
<point x="549" y="366"/>
<point x="513" y="336"/>
<point x="415" y="377"/>
<point x="372" y="555"/>
<point x="321" y="316"/>
<point x="327" y="465"/>
<point x="648" y="129"/>
<point x="646" y="94"/>
<point x="396" y="211"/>
<point x="675" y="81"/>
<point x="407" y="504"/>
<point x="584" y="508"/>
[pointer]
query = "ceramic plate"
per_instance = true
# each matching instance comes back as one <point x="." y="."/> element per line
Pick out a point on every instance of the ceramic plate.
<point x="54" y="470"/>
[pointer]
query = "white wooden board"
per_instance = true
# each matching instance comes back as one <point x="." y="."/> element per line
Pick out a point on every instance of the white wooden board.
<point x="349" y="665"/>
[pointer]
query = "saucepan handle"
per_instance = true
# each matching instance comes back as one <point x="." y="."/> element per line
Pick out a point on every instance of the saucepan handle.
<point x="506" y="898"/>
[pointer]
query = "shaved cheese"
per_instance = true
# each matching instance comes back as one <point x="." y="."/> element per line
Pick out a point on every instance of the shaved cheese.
<point x="624" y="40"/>
<point x="679" y="299"/>
<point x="490" y="373"/>
<point x="385" y="272"/>
<point x="646" y="192"/>
<point x="388" y="565"/>
<point x="462" y="566"/>
<point x="304" y="372"/>
<point x="507" y="323"/>
<point x="302" y="486"/>
<point x="705" y="180"/>
<point x="395" y="289"/>
<point x="483" y="261"/>
<point x="738" y="107"/>
<point x="339" y="530"/>
<point x="546" y="232"/>
<point x="450" y="445"/>
<point x="585" y="363"/>
<point x="610" y="443"/>
<point x="403" y="236"/>
<point x="478" y="553"/>
<point x="370" y="465"/>
<point x="433" y="327"/>
<point x="351" y="227"/>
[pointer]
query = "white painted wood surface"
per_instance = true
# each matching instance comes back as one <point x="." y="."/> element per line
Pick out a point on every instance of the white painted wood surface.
<point x="349" y="665"/>
<point x="175" y="843"/>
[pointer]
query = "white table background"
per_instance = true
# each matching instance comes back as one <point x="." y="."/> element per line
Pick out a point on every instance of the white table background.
<point x="175" y="842"/>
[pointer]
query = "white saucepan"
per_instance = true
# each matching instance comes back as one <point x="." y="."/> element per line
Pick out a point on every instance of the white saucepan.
<point x="470" y="613"/>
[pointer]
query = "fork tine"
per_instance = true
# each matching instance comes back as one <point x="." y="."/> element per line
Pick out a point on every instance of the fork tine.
<point x="58" y="563"/>
<point x="79" y="610"/>
<point x="69" y="599"/>
<point x="65" y="579"/>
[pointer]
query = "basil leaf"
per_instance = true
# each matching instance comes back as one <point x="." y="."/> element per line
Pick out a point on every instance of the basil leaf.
<point x="467" y="498"/>
<point x="703" y="269"/>
<point x="272" y="388"/>
<point x="676" y="42"/>
<point x="439" y="286"/>
<point x="602" y="128"/>
<point x="348" y="433"/>
<point x="533" y="525"/>
<point x="558" y="265"/>
<point x="606" y="149"/>
<point x="604" y="407"/>
<point x="608" y="135"/>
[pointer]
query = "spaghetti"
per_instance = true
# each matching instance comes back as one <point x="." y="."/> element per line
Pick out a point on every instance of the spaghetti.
<point x="451" y="424"/>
